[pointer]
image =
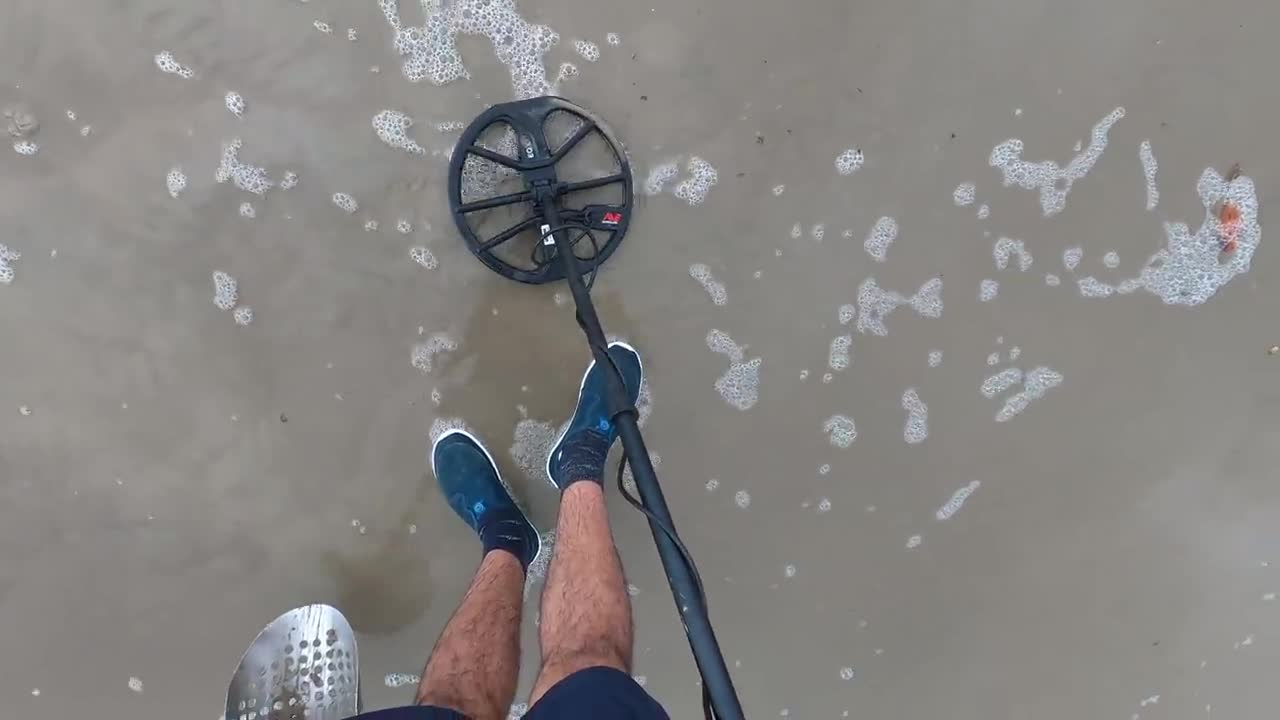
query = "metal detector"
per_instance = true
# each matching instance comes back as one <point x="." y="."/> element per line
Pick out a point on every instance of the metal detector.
<point x="567" y="215"/>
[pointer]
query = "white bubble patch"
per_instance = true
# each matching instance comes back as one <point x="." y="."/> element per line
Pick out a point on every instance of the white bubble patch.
<point x="7" y="258"/>
<point x="740" y="384"/>
<point x="424" y="257"/>
<point x="1007" y="248"/>
<point x="849" y="161"/>
<point x="660" y="175"/>
<point x="531" y="442"/>
<point x="1149" y="167"/>
<point x="964" y="194"/>
<point x="235" y="103"/>
<point x="1034" y="386"/>
<point x="714" y="288"/>
<point x="1001" y="381"/>
<point x="226" y="291"/>
<point x="431" y="53"/>
<point x="988" y="289"/>
<point x="175" y="182"/>
<point x="840" y="430"/>
<point x="1053" y="181"/>
<point x="701" y="177"/>
<point x="916" y="428"/>
<point x="424" y="354"/>
<point x="839" y="356"/>
<point x="935" y="358"/>
<point x="392" y="128"/>
<point x="246" y="177"/>
<point x="881" y="236"/>
<point x="875" y="304"/>
<point x="345" y="203"/>
<point x="952" y="506"/>
<point x="168" y="64"/>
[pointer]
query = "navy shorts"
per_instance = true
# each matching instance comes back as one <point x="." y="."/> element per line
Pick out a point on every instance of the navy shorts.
<point x="598" y="693"/>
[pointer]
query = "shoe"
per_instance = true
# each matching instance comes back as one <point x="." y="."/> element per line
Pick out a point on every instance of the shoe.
<point x="470" y="481"/>
<point x="592" y="413"/>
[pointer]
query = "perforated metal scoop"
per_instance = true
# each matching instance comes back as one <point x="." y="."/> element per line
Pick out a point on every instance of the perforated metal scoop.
<point x="303" y="666"/>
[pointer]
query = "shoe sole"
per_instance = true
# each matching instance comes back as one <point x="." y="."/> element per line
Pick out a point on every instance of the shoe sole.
<point x="496" y="471"/>
<point x="581" y="386"/>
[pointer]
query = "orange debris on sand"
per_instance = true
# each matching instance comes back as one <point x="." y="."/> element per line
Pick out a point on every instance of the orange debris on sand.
<point x="1228" y="225"/>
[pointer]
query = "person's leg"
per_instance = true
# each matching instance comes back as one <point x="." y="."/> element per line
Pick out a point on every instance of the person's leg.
<point x="475" y="664"/>
<point x="586" y="611"/>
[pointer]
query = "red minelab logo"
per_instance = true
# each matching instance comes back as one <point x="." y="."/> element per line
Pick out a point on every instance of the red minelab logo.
<point x="611" y="218"/>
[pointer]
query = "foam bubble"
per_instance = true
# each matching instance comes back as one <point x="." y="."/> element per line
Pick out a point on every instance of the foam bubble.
<point x="993" y="358"/>
<point x="225" y="290"/>
<point x="1191" y="268"/>
<point x="397" y="680"/>
<point x="712" y="485"/>
<point x="1092" y="287"/>
<point x="824" y="505"/>
<point x="702" y="176"/>
<point x="847" y="313"/>
<point x="964" y="194"/>
<point x="1001" y="381"/>
<point x="818" y="232"/>
<point x="588" y="50"/>
<point x="796" y="231"/>
<point x="875" y="304"/>
<point x="789" y="571"/>
<point x="740" y="384"/>
<point x="846" y="673"/>
<point x="530" y="444"/>
<point x="1111" y="259"/>
<point x="613" y="38"/>
<point x="882" y="235"/>
<point x="916" y="428"/>
<point x="289" y="181"/>
<point x="7" y="256"/>
<point x="26" y="147"/>
<point x="1015" y="352"/>
<point x="849" y="161"/>
<point x="840" y="430"/>
<point x="371" y="226"/>
<point x="779" y="189"/>
<point x="391" y="127"/>
<point x="987" y="290"/>
<point x="235" y="103"/>
<point x="345" y="203"/>
<point x="431" y="51"/>
<point x="243" y="315"/>
<point x="660" y="175"/>
<point x="935" y="358"/>
<point x="166" y="62"/>
<point x="742" y="499"/>
<point x="424" y="354"/>
<point x="1034" y="386"/>
<point x="440" y="426"/>
<point x="403" y="226"/>
<point x="714" y="288"/>
<point x="1005" y="248"/>
<point x="246" y="177"/>
<point x="1071" y="258"/>
<point x="176" y="182"/>
<point x="1053" y="182"/>
<point x="838" y="358"/>
<point x="135" y="685"/>
<point x="1052" y="280"/>
<point x="984" y="211"/>
<point x="247" y="211"/>
<point x="952" y="506"/>
<point x="323" y="27"/>
<point x="914" y="542"/>
<point x="1149" y="167"/>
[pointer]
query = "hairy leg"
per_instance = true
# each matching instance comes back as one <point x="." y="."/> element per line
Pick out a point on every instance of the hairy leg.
<point x="475" y="664"/>
<point x="586" y="612"/>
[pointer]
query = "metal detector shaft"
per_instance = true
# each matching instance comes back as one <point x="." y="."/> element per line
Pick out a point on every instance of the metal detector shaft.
<point x="693" y="611"/>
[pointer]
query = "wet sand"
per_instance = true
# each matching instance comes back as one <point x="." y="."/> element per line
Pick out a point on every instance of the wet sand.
<point x="171" y="481"/>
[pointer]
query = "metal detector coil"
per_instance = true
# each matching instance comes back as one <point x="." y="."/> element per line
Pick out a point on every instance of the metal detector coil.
<point x="519" y="159"/>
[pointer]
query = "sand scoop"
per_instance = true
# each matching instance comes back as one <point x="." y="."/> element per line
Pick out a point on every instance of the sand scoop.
<point x="303" y="666"/>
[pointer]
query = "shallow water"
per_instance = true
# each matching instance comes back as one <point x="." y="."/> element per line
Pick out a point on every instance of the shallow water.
<point x="171" y="480"/>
